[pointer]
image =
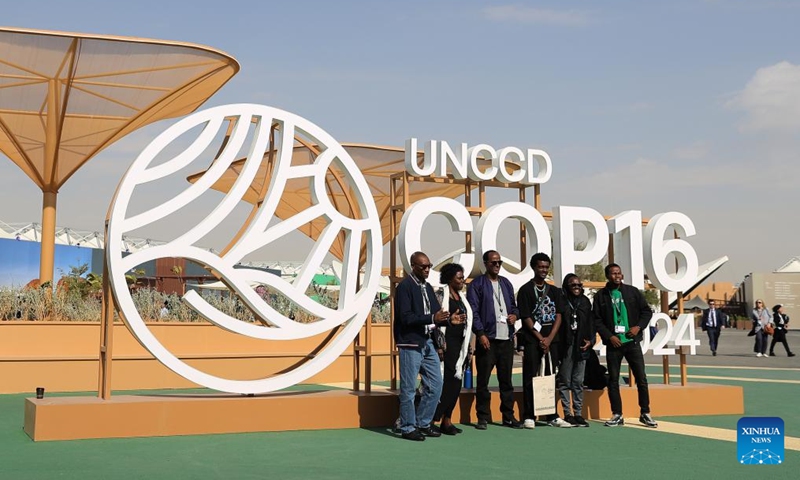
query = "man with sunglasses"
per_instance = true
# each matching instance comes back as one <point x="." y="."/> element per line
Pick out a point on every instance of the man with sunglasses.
<point x="491" y="297"/>
<point x="416" y="313"/>
<point x="579" y="338"/>
<point x="620" y="315"/>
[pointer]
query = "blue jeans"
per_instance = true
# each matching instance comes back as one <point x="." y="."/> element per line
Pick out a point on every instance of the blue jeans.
<point x="761" y="342"/>
<point x="425" y="362"/>
<point x="570" y="376"/>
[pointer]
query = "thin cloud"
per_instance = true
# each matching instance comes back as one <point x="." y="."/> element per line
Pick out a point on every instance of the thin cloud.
<point x="537" y="16"/>
<point x="695" y="151"/>
<point x="771" y="99"/>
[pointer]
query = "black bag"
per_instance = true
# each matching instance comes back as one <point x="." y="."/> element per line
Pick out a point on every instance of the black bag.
<point x="437" y="336"/>
<point x="596" y="376"/>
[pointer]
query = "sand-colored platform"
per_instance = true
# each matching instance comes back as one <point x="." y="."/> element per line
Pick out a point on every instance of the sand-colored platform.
<point x="69" y="418"/>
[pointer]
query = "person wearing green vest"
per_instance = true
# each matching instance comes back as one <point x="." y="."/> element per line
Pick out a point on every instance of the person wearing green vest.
<point x="621" y="314"/>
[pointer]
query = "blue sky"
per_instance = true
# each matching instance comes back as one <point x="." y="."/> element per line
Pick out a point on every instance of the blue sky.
<point x="691" y="106"/>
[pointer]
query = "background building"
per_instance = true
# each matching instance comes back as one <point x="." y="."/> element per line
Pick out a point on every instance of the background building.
<point x="779" y="287"/>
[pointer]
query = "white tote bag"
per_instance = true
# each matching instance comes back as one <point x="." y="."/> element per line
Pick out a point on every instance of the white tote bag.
<point x="544" y="390"/>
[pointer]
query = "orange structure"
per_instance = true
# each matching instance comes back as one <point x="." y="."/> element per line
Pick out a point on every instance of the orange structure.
<point x="67" y="96"/>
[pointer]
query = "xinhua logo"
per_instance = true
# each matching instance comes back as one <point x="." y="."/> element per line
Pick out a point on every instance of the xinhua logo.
<point x="759" y="440"/>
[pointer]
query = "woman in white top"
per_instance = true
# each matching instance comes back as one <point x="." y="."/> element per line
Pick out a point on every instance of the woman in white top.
<point x="761" y="318"/>
<point x="456" y="343"/>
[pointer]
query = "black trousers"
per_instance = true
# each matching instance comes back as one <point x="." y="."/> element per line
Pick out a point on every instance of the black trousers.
<point x="500" y="355"/>
<point x="532" y="358"/>
<point x="713" y="337"/>
<point x="451" y="386"/>
<point x="632" y="352"/>
<point x="779" y="337"/>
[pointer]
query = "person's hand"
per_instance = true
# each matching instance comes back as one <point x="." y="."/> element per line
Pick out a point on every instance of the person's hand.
<point x="511" y="319"/>
<point x="634" y="331"/>
<point x="441" y="316"/>
<point x="545" y="344"/>
<point x="457" y="318"/>
<point x="484" y="341"/>
<point x="441" y="354"/>
<point x="586" y="345"/>
<point x="616" y="342"/>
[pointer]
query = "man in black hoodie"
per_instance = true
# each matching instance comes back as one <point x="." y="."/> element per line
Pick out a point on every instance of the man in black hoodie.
<point x="620" y="316"/>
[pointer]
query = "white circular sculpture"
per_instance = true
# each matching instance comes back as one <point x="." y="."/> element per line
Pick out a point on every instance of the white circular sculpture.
<point x="355" y="297"/>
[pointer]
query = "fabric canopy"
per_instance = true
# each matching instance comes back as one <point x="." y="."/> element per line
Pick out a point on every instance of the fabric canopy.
<point x="377" y="164"/>
<point x="695" y="302"/>
<point x="66" y="96"/>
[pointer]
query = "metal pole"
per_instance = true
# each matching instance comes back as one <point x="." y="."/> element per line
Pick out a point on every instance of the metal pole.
<point x="665" y="358"/>
<point x="49" y="190"/>
<point x="106" y="333"/>
<point x="48" y="245"/>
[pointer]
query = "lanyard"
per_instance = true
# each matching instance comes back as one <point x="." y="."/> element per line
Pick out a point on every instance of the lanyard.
<point x="426" y="302"/>
<point x="617" y="303"/>
<point x="540" y="295"/>
<point x="573" y="308"/>
<point x="497" y="296"/>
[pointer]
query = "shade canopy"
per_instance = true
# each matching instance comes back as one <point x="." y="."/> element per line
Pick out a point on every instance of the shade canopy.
<point x="377" y="164"/>
<point x="94" y="90"/>
<point x="66" y="96"/>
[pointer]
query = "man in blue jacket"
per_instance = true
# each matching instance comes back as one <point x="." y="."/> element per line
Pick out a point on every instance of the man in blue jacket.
<point x="416" y="313"/>
<point x="620" y="315"/>
<point x="494" y="313"/>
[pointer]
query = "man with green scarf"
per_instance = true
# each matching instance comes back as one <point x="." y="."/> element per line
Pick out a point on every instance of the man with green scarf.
<point x="621" y="314"/>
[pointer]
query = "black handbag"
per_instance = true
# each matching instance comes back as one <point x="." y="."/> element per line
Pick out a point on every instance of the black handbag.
<point x="437" y="336"/>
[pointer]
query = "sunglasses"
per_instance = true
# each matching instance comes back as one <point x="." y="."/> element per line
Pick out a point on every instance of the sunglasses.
<point x="426" y="266"/>
<point x="495" y="263"/>
<point x="575" y="285"/>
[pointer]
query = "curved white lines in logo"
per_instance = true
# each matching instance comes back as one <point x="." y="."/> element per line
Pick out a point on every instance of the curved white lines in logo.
<point x="354" y="303"/>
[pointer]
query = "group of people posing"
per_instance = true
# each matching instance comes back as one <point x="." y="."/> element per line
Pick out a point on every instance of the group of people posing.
<point x="553" y="326"/>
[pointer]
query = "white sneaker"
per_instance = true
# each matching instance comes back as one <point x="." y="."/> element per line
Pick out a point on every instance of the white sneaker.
<point x="560" y="422"/>
<point x="529" y="423"/>
<point x="758" y="354"/>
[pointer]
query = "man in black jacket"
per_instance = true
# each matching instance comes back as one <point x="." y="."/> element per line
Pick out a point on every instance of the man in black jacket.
<point x="620" y="315"/>
<point x="540" y="310"/>
<point x="416" y="312"/>
<point x="713" y="322"/>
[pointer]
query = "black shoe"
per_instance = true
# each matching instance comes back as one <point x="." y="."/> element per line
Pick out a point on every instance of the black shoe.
<point x="791" y="354"/>
<point x="580" y="421"/>
<point x="414" y="435"/>
<point x="430" y="432"/>
<point x="647" y="420"/>
<point x="513" y="423"/>
<point x="571" y="420"/>
<point x="482" y="425"/>
<point x="714" y="354"/>
<point x="771" y="354"/>
<point x="458" y="430"/>
<point x="449" y="430"/>
<point x="615" y="421"/>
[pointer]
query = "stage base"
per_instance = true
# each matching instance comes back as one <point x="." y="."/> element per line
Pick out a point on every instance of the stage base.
<point x="71" y="418"/>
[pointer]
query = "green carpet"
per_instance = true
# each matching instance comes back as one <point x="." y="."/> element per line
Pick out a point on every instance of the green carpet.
<point x="597" y="452"/>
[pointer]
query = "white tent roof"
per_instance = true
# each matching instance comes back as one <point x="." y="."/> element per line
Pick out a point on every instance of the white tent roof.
<point x="703" y="272"/>
<point x="695" y="302"/>
<point x="792" y="266"/>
